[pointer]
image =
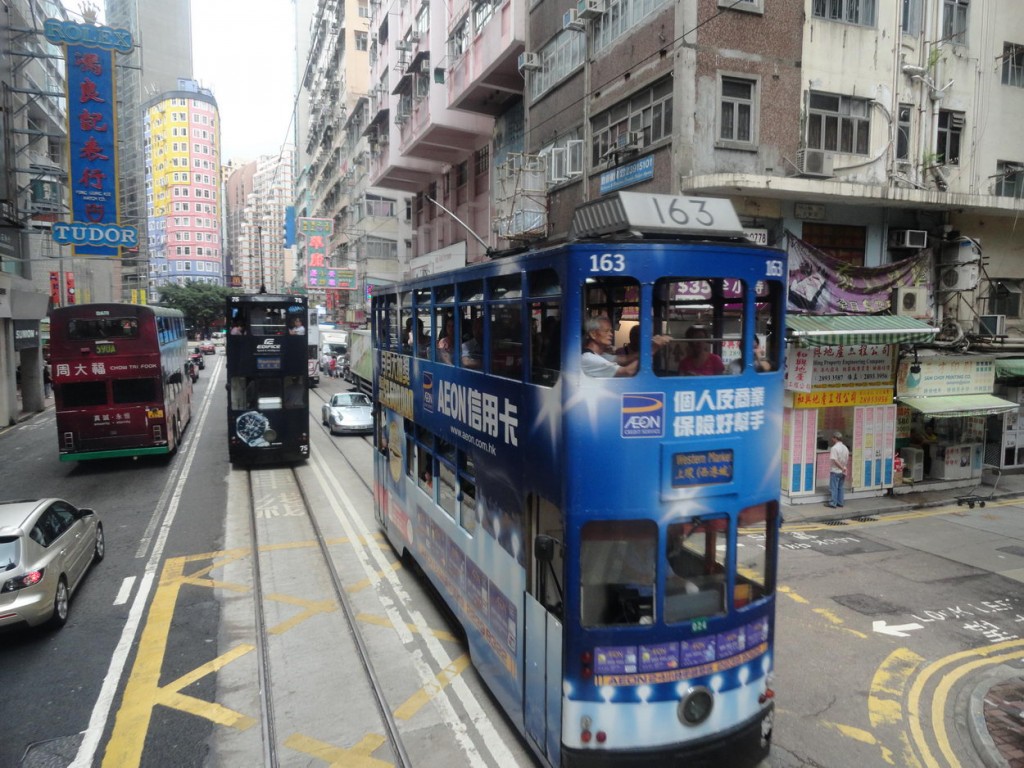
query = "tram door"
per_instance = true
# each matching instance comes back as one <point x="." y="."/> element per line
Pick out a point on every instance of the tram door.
<point x="542" y="677"/>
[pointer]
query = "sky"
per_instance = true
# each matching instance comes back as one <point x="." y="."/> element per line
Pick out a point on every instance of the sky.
<point x="244" y="51"/>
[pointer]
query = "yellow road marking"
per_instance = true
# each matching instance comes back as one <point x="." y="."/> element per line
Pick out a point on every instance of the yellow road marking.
<point x="886" y="517"/>
<point x="382" y="621"/>
<point x="312" y="608"/>
<point x="793" y="595"/>
<point x="358" y="756"/>
<point x="414" y="703"/>
<point x="916" y="692"/>
<point x="362" y="584"/>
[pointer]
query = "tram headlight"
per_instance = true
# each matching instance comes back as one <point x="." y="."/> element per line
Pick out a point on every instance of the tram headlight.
<point x="696" y="706"/>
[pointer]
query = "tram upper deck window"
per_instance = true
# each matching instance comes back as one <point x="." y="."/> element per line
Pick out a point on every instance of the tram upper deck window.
<point x="611" y="306"/>
<point x="755" y="566"/>
<point x="617" y="572"/>
<point x="545" y="337"/>
<point x="704" y="319"/>
<point x="695" y="581"/>
<point x="768" y="313"/>
<point x="422" y="329"/>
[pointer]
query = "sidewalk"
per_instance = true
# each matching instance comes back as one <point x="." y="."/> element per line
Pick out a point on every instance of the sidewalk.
<point x="996" y="709"/>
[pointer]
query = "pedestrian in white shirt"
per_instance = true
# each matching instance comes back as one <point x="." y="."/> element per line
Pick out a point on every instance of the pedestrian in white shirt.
<point x="838" y="461"/>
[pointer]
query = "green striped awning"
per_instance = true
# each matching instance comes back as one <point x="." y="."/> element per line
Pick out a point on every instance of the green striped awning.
<point x="816" y="331"/>
<point x="1010" y="368"/>
<point x="947" y="407"/>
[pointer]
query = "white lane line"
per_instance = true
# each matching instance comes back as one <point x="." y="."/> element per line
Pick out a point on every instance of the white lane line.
<point x="475" y="715"/>
<point x="92" y="735"/>
<point x="124" y="591"/>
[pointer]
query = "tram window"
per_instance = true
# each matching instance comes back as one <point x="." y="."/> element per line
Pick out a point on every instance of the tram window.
<point x="446" y="343"/>
<point x="389" y="328"/>
<point x="704" y="318"/>
<point x="267" y="321"/>
<point x="755" y="563"/>
<point x="446" y="490"/>
<point x="471" y="326"/>
<point x="507" y="340"/>
<point x="617" y="572"/>
<point x="543" y="283"/>
<point x="609" y="304"/>
<point x="768" y="314"/>
<point x="405" y="323"/>
<point x="695" y="581"/>
<point x="467" y="504"/>
<point x="134" y="390"/>
<point x="545" y="343"/>
<point x="425" y="469"/>
<point x="295" y="392"/>
<point x="472" y="290"/>
<point x="82" y="394"/>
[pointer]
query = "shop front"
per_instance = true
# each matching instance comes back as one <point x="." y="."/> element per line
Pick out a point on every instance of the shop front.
<point x="1004" y="445"/>
<point x="950" y="422"/>
<point x="840" y="376"/>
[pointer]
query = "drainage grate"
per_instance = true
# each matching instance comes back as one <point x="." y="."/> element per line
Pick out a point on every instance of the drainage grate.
<point x="865" y="519"/>
<point x="835" y="523"/>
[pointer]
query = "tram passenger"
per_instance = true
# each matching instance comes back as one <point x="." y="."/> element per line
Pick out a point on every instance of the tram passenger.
<point x="598" y="362"/>
<point x="446" y="341"/>
<point x="297" y="328"/>
<point x="761" y="361"/>
<point x="473" y="347"/>
<point x="699" y="360"/>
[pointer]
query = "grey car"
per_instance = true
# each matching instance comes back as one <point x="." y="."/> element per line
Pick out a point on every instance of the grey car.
<point x="348" y="413"/>
<point x="46" y="547"/>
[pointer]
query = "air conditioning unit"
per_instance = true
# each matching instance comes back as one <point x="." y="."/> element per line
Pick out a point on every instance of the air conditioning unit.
<point x="589" y="9"/>
<point x="814" y="162"/>
<point x="959" y="277"/>
<point x="401" y="45"/>
<point x="384" y="139"/>
<point x="992" y="325"/>
<point x="908" y="238"/>
<point x="528" y="60"/>
<point x="911" y="301"/>
<point x="963" y="251"/>
<point x="570" y="20"/>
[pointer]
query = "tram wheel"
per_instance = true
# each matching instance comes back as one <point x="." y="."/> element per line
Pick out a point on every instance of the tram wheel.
<point x="981" y="504"/>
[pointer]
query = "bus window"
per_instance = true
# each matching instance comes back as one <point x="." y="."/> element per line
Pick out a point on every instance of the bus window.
<point x="134" y="390"/>
<point x="617" y="570"/>
<point x="695" y="581"/>
<point x="704" y="318"/>
<point x="754" y="566"/>
<point x="83" y="393"/>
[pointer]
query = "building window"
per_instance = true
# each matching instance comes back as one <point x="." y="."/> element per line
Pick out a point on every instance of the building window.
<point x="364" y="9"/>
<point x="647" y="114"/>
<point x="852" y="11"/>
<point x="910" y="20"/>
<point x="751" y="6"/>
<point x="903" y="132"/>
<point x="558" y="59"/>
<point x="838" y="123"/>
<point x="1010" y="179"/>
<point x="362" y="43"/>
<point x="1013" y="64"/>
<point x="951" y="126"/>
<point x="738" y="112"/>
<point x="620" y="17"/>
<point x="843" y="242"/>
<point x="1005" y="298"/>
<point x="954" y="21"/>
<point x="482" y="161"/>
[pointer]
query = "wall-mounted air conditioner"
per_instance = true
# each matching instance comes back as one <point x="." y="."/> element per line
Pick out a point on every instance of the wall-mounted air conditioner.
<point x="963" y="251"/>
<point x="589" y="9"/>
<point x="814" y="162"/>
<point x="529" y="60"/>
<point x="992" y="325"/>
<point x="911" y="301"/>
<point x="571" y="20"/>
<point x="908" y="238"/>
<point x="959" y="277"/>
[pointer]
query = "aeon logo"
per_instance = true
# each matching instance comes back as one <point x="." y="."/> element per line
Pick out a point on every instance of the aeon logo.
<point x="428" y="391"/>
<point x="643" y="414"/>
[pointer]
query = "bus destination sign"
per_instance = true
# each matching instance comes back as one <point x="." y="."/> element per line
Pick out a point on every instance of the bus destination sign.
<point x="106" y="348"/>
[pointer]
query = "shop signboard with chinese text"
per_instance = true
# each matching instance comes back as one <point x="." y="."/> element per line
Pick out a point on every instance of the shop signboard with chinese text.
<point x="946" y="375"/>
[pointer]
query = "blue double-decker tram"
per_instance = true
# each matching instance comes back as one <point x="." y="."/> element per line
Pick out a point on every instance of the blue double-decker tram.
<point x="580" y="446"/>
<point x="267" y="369"/>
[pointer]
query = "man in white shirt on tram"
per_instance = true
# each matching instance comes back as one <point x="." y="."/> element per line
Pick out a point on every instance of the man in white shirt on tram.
<point x="598" y="362"/>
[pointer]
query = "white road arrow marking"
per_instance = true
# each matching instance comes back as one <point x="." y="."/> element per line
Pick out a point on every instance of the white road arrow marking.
<point x="897" y="630"/>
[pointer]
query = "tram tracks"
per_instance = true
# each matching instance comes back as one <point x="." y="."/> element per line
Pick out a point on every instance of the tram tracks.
<point x="277" y="495"/>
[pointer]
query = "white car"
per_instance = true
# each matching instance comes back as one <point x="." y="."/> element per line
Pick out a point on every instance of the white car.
<point x="46" y="547"/>
<point x="348" y="413"/>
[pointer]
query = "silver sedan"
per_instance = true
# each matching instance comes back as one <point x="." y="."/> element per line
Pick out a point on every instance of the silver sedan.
<point x="46" y="547"/>
<point x="348" y="413"/>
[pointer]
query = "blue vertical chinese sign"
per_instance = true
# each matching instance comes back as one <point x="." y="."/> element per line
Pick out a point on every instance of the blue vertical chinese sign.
<point x="92" y="137"/>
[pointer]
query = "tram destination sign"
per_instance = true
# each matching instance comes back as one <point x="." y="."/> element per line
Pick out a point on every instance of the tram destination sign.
<point x="656" y="215"/>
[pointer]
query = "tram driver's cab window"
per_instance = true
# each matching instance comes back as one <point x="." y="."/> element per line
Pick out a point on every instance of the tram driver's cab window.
<point x="703" y="318"/>
<point x="755" y="564"/>
<point x="617" y="572"/>
<point x="611" y="309"/>
<point x="695" y="581"/>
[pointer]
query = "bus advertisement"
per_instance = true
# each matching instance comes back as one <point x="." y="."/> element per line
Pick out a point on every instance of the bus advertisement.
<point x="119" y="379"/>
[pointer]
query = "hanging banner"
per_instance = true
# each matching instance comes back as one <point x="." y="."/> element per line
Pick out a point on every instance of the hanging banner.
<point x="822" y="285"/>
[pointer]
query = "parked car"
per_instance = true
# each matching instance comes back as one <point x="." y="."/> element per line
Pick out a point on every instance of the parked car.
<point x="207" y="348"/>
<point x="46" y="547"/>
<point x="348" y="413"/>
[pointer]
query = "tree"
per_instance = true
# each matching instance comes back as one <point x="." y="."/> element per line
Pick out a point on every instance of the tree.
<point x="202" y="303"/>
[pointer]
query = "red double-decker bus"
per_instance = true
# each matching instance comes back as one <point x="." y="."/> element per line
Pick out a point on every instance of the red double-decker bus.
<point x="119" y="380"/>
